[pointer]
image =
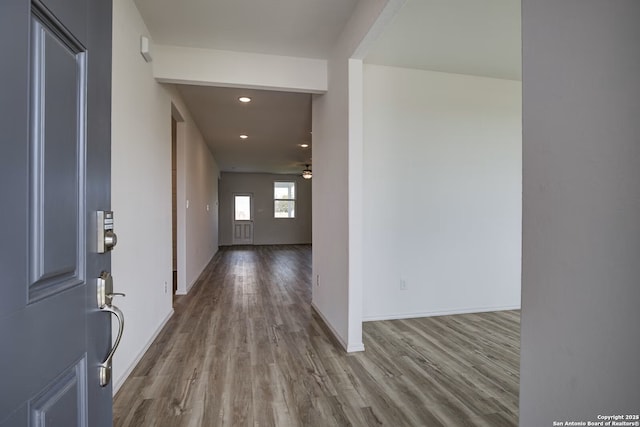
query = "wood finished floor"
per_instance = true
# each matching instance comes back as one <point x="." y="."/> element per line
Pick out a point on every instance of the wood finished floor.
<point x="244" y="348"/>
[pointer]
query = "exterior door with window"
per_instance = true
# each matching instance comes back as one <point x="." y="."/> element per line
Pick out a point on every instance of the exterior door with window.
<point x="55" y="107"/>
<point x="243" y="219"/>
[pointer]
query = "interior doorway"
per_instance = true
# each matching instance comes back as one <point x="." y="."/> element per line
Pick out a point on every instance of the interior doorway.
<point x="174" y="204"/>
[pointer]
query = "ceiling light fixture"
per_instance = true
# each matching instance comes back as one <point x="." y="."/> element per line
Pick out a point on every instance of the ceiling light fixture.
<point x="243" y="136"/>
<point x="306" y="174"/>
<point x="304" y="145"/>
<point x="244" y="99"/>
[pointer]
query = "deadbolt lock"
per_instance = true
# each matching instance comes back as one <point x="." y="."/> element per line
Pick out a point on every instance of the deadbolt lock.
<point x="106" y="237"/>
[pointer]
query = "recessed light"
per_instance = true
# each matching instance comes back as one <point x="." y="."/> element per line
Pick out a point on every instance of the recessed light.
<point x="244" y="99"/>
<point x="243" y="136"/>
<point x="304" y="145"/>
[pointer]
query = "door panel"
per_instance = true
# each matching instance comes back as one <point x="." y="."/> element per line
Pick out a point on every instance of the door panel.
<point x="243" y="233"/>
<point x="73" y="13"/>
<point x="57" y="146"/>
<point x="63" y="402"/>
<point x="54" y="176"/>
<point x="40" y="345"/>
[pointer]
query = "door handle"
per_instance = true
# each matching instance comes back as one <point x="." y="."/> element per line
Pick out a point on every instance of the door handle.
<point x="105" y="298"/>
<point x="105" y="367"/>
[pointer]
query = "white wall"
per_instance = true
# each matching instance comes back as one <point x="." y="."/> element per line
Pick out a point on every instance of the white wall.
<point x="442" y="199"/>
<point x="337" y="124"/>
<point x="141" y="191"/>
<point x="330" y="202"/>
<point x="197" y="188"/>
<point x="174" y="64"/>
<point x="267" y="230"/>
<point x="581" y="223"/>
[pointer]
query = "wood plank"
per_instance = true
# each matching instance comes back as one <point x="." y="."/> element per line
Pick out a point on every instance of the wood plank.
<point x="244" y="348"/>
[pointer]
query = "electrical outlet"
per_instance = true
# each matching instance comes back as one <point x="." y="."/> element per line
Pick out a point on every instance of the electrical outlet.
<point x="166" y="289"/>
<point x="317" y="280"/>
<point x="403" y="284"/>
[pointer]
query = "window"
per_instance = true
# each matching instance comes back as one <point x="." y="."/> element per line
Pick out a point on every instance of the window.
<point x="242" y="208"/>
<point x="284" y="195"/>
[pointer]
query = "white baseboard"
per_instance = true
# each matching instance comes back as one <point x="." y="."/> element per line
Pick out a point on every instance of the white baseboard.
<point x="333" y="331"/>
<point x="127" y="372"/>
<point x="438" y="313"/>
<point x="352" y="348"/>
<point x="193" y="282"/>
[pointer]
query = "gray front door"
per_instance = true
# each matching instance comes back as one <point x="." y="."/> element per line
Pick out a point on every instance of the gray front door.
<point x="55" y="95"/>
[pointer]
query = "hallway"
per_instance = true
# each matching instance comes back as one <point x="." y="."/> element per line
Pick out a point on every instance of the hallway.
<point x="244" y="348"/>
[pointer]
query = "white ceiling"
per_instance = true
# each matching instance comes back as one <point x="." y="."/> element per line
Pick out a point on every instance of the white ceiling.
<point x="478" y="37"/>
<point x="275" y="122"/>
<point x="305" y="28"/>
